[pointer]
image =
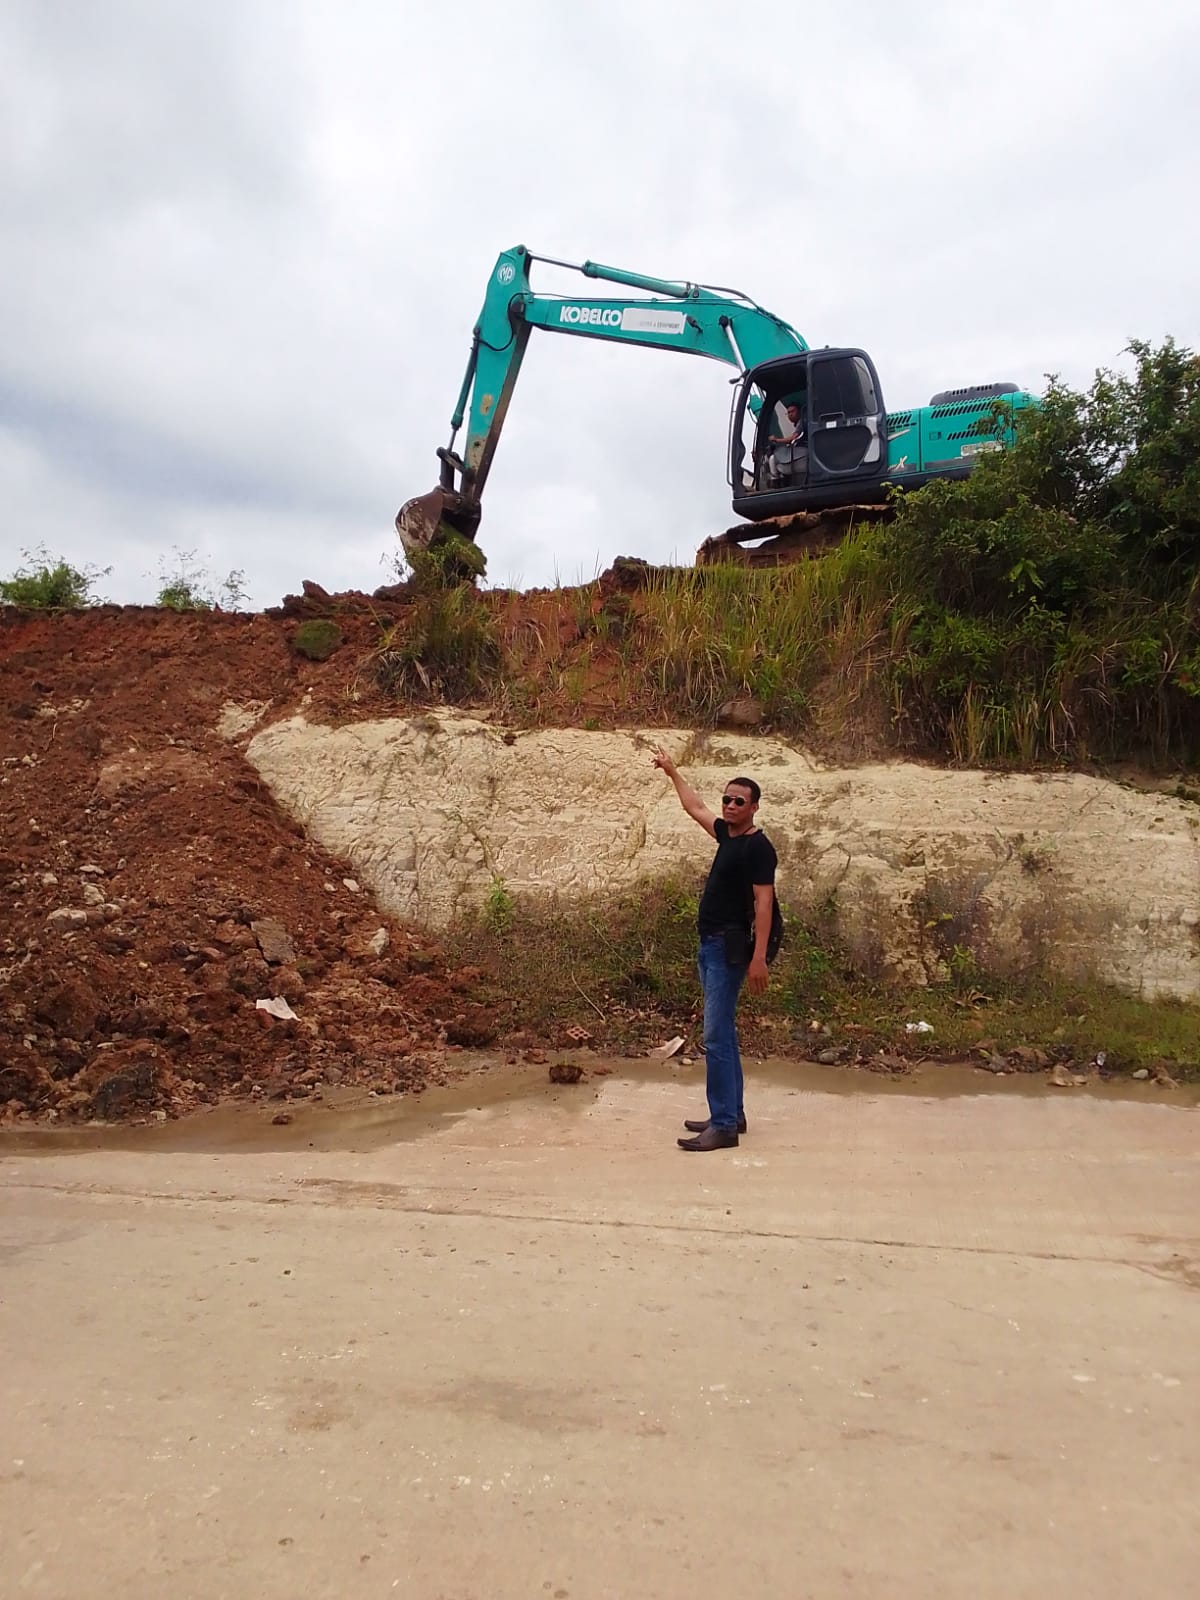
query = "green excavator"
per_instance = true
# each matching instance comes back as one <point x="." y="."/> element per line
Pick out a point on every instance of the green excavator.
<point x="812" y="447"/>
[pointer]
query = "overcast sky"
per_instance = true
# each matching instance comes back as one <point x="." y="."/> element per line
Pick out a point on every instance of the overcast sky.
<point x="243" y="244"/>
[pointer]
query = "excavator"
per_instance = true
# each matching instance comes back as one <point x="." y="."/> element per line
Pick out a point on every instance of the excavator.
<point x="812" y="447"/>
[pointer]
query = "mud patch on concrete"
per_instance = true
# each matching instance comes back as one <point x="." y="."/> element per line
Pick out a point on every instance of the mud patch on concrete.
<point x="485" y="1087"/>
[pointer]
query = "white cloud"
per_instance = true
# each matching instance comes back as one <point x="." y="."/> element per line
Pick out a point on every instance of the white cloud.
<point x="244" y="247"/>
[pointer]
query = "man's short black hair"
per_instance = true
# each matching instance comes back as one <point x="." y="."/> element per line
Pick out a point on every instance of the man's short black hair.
<point x="748" y="783"/>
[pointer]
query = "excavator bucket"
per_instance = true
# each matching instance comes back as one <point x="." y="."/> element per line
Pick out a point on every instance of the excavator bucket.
<point x="418" y="521"/>
<point x="438" y="522"/>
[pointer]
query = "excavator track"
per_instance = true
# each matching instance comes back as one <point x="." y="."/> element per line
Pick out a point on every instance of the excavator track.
<point x="791" y="538"/>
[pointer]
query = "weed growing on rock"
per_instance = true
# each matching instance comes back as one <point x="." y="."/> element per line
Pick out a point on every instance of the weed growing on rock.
<point x="498" y="908"/>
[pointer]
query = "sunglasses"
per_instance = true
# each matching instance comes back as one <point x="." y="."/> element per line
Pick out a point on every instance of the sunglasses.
<point x="734" y="800"/>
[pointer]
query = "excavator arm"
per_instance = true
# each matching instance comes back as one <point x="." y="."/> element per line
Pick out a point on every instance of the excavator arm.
<point x="721" y="324"/>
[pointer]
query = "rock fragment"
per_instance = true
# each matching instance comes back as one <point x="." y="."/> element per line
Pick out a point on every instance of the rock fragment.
<point x="66" y="917"/>
<point x="274" y="941"/>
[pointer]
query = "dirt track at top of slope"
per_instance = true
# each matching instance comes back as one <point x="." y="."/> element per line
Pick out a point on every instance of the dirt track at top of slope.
<point x="183" y="893"/>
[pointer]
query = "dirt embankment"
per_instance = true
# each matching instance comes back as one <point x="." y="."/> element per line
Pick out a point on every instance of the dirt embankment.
<point x="152" y="892"/>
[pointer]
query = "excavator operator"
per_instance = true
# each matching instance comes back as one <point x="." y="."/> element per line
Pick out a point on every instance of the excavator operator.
<point x="790" y="451"/>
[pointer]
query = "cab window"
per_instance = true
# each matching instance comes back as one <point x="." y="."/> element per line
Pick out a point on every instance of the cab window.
<point x="842" y="387"/>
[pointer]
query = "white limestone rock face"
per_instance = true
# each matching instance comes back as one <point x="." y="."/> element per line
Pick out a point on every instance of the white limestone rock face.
<point x="1056" y="873"/>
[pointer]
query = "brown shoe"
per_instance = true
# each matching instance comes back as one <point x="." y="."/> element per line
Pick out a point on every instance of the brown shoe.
<point x="710" y="1139"/>
<point x="703" y="1127"/>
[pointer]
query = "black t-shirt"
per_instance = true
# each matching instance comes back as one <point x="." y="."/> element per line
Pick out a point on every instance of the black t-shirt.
<point x="738" y="864"/>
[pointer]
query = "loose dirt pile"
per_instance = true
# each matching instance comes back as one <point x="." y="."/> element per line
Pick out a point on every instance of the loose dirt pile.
<point x="152" y="893"/>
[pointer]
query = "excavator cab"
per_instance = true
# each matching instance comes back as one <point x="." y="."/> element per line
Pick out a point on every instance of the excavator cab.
<point x="807" y="430"/>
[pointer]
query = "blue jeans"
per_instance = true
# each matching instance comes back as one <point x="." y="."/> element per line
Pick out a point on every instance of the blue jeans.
<point x="721" y="985"/>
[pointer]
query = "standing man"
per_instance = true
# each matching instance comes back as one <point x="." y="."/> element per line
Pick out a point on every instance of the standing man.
<point x="733" y="942"/>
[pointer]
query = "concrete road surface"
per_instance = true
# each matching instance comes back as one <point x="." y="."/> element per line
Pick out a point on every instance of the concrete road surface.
<point x="508" y="1341"/>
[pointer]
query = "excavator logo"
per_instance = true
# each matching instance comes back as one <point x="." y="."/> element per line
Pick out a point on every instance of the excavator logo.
<point x="506" y="273"/>
<point x="632" y="319"/>
<point x="598" y="316"/>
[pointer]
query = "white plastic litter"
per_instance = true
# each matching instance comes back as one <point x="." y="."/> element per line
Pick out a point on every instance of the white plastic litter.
<point x="276" y="1007"/>
<point x="918" y="1027"/>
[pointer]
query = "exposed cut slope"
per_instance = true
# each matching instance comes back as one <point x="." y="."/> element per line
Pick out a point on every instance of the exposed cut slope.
<point x="1051" y="874"/>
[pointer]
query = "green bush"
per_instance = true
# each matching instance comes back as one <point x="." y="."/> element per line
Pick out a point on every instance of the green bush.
<point x="1053" y="594"/>
<point x="181" y="596"/>
<point x="1143" y="433"/>
<point x="1005" y="537"/>
<point x="47" y="583"/>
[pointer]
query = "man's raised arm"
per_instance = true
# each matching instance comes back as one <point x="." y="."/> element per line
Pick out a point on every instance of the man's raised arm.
<point x="688" y="798"/>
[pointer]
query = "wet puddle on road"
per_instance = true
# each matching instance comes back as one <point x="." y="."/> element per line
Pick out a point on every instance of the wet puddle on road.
<point x="355" y="1120"/>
